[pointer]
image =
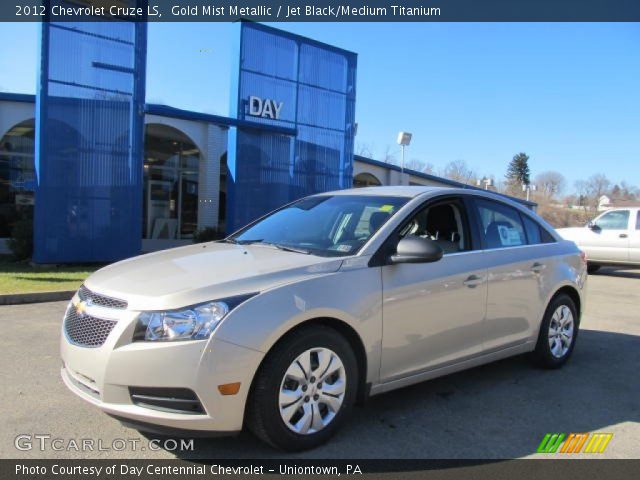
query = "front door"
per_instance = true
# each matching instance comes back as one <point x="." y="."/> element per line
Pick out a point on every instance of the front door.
<point x="433" y="312"/>
<point x="608" y="238"/>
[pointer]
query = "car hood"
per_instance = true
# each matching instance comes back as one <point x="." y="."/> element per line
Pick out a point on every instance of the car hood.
<point x="198" y="273"/>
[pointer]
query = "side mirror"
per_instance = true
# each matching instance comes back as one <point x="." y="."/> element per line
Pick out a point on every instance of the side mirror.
<point x="593" y="226"/>
<point x="412" y="249"/>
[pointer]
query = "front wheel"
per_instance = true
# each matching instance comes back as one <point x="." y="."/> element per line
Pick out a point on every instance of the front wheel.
<point x="558" y="333"/>
<point x="304" y="390"/>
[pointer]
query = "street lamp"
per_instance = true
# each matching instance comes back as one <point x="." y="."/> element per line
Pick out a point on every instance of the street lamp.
<point x="404" y="139"/>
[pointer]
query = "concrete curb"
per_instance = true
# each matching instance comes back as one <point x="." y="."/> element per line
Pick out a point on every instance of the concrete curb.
<point x="36" y="297"/>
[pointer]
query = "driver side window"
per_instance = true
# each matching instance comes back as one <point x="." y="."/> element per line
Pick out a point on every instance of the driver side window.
<point x="616" y="220"/>
<point x="442" y="222"/>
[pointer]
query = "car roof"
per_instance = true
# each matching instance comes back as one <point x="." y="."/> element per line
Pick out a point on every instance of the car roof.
<point x="413" y="191"/>
<point x="409" y="191"/>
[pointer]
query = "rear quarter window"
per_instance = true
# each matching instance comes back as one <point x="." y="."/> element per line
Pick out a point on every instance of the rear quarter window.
<point x="536" y="233"/>
<point x="534" y="236"/>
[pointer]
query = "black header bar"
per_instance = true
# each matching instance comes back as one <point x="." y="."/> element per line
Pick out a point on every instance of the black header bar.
<point x="323" y="10"/>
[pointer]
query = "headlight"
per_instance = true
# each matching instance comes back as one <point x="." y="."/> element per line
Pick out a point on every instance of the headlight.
<point x="192" y="323"/>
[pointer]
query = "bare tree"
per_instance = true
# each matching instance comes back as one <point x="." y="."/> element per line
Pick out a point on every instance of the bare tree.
<point x="414" y="164"/>
<point x="388" y="156"/>
<point x="627" y="191"/>
<point x="364" y="150"/>
<point x="598" y="185"/>
<point x="582" y="191"/>
<point x="459" y="171"/>
<point x="429" y="168"/>
<point x="550" y="184"/>
<point x="592" y="189"/>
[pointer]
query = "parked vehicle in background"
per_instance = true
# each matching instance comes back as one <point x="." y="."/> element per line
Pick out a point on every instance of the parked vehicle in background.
<point x="613" y="238"/>
<point x="285" y="324"/>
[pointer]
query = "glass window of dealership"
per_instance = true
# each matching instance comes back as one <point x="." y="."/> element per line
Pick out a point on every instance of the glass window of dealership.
<point x="103" y="175"/>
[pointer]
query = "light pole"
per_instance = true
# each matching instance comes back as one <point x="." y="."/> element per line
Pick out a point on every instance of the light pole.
<point x="404" y="139"/>
<point x="527" y="187"/>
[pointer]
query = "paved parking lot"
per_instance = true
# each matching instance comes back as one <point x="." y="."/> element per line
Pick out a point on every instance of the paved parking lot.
<point x="500" y="410"/>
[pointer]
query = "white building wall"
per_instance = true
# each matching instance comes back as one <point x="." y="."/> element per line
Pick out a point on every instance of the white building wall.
<point x="380" y="173"/>
<point x="387" y="176"/>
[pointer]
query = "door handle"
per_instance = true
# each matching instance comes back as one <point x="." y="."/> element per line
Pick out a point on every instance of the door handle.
<point x="623" y="235"/>
<point x="538" y="267"/>
<point x="473" y="281"/>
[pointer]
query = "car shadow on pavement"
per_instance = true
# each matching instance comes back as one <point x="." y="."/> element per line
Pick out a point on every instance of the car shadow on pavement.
<point x="618" y="272"/>
<point x="501" y="410"/>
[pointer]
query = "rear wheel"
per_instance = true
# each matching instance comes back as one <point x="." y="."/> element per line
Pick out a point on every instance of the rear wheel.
<point x="304" y="390"/>
<point x="558" y="333"/>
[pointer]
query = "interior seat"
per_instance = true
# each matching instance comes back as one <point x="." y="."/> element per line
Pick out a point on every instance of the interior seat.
<point x="443" y="227"/>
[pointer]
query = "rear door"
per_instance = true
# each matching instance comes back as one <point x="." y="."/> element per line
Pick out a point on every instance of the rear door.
<point x="517" y="274"/>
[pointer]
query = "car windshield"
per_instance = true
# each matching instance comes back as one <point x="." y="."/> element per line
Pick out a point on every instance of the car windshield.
<point x="326" y="225"/>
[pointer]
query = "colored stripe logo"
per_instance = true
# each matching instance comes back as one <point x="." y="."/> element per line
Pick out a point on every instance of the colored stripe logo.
<point x="575" y="442"/>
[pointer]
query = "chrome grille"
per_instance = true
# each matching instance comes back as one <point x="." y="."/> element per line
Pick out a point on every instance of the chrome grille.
<point x="100" y="300"/>
<point x="87" y="331"/>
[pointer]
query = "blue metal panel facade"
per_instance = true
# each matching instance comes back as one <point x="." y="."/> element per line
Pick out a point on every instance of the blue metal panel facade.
<point x="89" y="145"/>
<point x="315" y="86"/>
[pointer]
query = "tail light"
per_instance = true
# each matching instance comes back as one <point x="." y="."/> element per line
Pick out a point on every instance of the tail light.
<point x="583" y="256"/>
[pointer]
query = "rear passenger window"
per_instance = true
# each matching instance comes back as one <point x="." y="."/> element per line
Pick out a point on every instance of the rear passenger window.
<point x="638" y="221"/>
<point x="501" y="225"/>
<point x="533" y="231"/>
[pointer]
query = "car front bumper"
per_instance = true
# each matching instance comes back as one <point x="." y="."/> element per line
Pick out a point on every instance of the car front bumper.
<point x="103" y="376"/>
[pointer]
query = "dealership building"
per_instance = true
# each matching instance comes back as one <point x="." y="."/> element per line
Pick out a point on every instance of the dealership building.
<point x="104" y="175"/>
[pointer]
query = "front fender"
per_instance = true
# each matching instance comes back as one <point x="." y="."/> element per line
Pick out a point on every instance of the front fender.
<point x="353" y="297"/>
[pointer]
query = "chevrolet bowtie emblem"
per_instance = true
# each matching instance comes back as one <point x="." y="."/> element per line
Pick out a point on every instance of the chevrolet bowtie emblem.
<point x="81" y="307"/>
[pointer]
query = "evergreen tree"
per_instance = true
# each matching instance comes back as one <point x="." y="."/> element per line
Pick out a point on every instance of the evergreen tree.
<point x="518" y="170"/>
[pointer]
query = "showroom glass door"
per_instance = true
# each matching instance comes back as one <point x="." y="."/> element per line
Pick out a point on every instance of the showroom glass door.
<point x="171" y="176"/>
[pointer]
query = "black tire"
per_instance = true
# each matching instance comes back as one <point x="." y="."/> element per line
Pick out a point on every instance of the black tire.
<point x="263" y="410"/>
<point x="542" y="355"/>
<point x="592" y="268"/>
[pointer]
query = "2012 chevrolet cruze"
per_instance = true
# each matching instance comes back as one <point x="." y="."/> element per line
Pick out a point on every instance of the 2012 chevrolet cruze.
<point x="285" y="324"/>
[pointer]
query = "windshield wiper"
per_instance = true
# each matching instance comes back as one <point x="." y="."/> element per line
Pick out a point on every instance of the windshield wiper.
<point x="287" y="248"/>
<point x="260" y="241"/>
<point x="243" y="242"/>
